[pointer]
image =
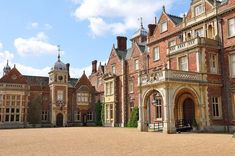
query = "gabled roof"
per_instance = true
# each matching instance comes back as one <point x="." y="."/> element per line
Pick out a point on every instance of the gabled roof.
<point x="177" y="20"/>
<point x="72" y="82"/>
<point x="13" y="76"/>
<point x="121" y="53"/>
<point x="83" y="81"/>
<point x="141" y="46"/>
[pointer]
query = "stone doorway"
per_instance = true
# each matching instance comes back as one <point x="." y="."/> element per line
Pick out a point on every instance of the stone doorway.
<point x="59" y="120"/>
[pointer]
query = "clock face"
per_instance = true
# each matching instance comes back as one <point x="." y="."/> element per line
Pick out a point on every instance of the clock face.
<point x="60" y="78"/>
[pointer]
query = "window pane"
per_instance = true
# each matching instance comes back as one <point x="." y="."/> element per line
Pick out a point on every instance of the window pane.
<point x="164" y="27"/>
<point x="156" y="54"/>
<point x="231" y="26"/>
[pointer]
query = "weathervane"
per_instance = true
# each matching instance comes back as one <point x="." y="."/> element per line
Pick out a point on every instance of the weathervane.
<point x="59" y="50"/>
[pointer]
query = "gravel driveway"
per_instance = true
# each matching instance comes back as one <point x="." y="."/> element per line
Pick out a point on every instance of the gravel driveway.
<point x="111" y="141"/>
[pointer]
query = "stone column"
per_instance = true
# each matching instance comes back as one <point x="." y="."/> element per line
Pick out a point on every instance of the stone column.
<point x="141" y="122"/>
<point x="168" y="104"/>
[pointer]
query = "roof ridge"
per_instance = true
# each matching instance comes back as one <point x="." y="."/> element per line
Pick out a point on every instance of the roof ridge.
<point x="174" y="16"/>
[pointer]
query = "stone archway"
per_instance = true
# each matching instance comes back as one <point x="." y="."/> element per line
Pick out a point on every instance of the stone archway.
<point x="153" y="110"/>
<point x="186" y="108"/>
<point x="59" y="120"/>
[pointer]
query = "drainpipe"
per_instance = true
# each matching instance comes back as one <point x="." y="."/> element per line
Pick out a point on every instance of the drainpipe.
<point x="224" y="75"/>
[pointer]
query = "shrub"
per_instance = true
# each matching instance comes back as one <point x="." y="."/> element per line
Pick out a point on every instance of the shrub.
<point x="99" y="113"/>
<point x="133" y="121"/>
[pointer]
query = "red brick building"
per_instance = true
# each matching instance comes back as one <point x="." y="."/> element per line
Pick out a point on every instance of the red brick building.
<point x="57" y="100"/>
<point x="180" y="74"/>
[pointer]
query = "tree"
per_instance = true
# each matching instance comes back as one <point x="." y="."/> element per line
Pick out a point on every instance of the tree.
<point x="133" y="121"/>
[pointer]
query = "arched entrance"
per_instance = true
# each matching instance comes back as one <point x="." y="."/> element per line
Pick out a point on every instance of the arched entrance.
<point x="186" y="111"/>
<point x="59" y="120"/>
<point x="153" y="111"/>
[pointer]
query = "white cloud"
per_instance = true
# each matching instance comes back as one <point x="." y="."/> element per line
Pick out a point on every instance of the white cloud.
<point x="99" y="13"/>
<point x="27" y="70"/>
<point x="35" y="45"/>
<point x="40" y="26"/>
<point x="1" y="46"/>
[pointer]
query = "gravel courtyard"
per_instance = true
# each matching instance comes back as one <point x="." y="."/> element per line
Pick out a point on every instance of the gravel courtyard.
<point x="111" y="141"/>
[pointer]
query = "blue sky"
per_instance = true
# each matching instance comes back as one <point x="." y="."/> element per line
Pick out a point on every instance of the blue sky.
<point x="85" y="30"/>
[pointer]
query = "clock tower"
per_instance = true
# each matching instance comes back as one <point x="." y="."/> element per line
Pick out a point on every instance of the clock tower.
<point x="58" y="82"/>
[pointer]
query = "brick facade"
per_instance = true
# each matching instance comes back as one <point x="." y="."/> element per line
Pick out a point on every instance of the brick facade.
<point x="38" y="103"/>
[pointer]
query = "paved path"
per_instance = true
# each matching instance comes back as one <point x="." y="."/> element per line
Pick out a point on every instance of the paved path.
<point x="111" y="141"/>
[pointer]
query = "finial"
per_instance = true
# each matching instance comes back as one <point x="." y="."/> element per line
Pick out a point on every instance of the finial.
<point x="141" y="22"/>
<point x="14" y="65"/>
<point x="7" y="62"/>
<point x="163" y="8"/>
<point x="59" y="50"/>
<point x="84" y="72"/>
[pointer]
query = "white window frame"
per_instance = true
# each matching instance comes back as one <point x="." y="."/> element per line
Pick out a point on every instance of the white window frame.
<point x="131" y="86"/>
<point x="232" y="65"/>
<point x="109" y="88"/>
<point x="156" y="53"/>
<point x="181" y="64"/>
<point x="83" y="97"/>
<point x="89" y="116"/>
<point x="231" y="27"/>
<point x="164" y="27"/>
<point x="158" y="109"/>
<point x="199" y="9"/>
<point x="216" y="107"/>
<point x="136" y="64"/>
<point x="213" y="59"/>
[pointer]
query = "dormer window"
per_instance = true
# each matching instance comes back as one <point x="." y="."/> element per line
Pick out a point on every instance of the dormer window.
<point x="198" y="10"/>
<point x="163" y="27"/>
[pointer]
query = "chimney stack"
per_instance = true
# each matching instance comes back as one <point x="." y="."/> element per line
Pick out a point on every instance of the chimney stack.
<point x="151" y="29"/>
<point x="68" y="66"/>
<point x="94" y="66"/>
<point x="121" y="42"/>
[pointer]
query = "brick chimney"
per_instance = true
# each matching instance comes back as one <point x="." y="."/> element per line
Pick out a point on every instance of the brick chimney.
<point x="121" y="42"/>
<point x="151" y="29"/>
<point x="94" y="66"/>
<point x="68" y="66"/>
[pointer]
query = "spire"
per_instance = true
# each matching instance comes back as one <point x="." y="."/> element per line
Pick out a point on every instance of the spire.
<point x="7" y="63"/>
<point x="59" y="50"/>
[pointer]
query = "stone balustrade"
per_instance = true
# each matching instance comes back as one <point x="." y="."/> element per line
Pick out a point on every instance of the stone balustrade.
<point x="13" y="86"/>
<point x="198" y="41"/>
<point x="172" y="75"/>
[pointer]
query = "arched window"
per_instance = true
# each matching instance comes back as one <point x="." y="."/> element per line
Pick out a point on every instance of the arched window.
<point x="210" y="32"/>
